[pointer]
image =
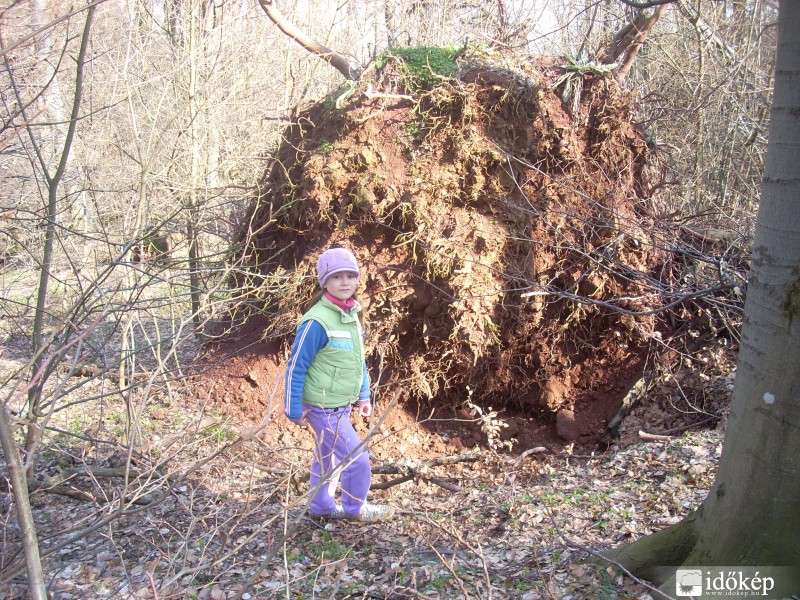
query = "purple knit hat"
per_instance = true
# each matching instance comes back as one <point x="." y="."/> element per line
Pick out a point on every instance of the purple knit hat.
<point x="333" y="261"/>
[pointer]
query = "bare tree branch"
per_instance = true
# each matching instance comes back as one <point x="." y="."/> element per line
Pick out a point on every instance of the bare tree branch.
<point x="338" y="61"/>
<point x="646" y="3"/>
<point x="706" y="31"/>
<point x="4" y="50"/>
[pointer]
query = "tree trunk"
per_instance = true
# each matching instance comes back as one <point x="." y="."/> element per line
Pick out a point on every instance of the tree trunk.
<point x="193" y="202"/>
<point x="629" y="40"/>
<point x="51" y="209"/>
<point x="751" y="516"/>
<point x="19" y="487"/>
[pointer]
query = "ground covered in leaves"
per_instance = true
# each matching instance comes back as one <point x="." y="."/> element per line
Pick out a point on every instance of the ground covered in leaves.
<point x="486" y="525"/>
<point x="215" y="507"/>
<point x="503" y="220"/>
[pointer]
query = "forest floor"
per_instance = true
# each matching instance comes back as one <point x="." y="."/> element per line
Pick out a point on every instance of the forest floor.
<point x="211" y="505"/>
<point x="478" y="209"/>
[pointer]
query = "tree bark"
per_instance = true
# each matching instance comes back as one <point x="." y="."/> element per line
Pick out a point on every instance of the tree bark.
<point x="340" y="62"/>
<point x="19" y="487"/>
<point x="750" y="517"/>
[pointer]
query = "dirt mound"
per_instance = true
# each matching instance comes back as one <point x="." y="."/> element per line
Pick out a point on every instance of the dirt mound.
<point x="499" y="217"/>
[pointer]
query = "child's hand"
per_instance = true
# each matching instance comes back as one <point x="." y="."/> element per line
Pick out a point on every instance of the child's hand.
<point x="365" y="410"/>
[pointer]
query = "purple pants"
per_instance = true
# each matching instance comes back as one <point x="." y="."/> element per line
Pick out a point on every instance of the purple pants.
<point x="336" y="441"/>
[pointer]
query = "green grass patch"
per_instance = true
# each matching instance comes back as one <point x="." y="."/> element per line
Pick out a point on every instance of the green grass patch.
<point x="425" y="65"/>
<point x="332" y="550"/>
<point x="220" y="434"/>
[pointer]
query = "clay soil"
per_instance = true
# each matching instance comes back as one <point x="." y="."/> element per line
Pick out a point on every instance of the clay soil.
<point x="499" y="222"/>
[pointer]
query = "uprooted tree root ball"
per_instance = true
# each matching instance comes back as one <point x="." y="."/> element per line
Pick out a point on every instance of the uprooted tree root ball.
<point x="501" y="218"/>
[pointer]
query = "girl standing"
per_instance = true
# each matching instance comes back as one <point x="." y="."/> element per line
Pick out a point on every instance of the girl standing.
<point x="325" y="377"/>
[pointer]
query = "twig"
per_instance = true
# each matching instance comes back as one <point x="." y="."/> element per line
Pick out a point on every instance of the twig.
<point x="290" y="529"/>
<point x="371" y="95"/>
<point x="653" y="437"/>
<point x="446" y="564"/>
<point x="479" y="553"/>
<point x="152" y="581"/>
<point x="528" y="452"/>
<point x="452" y="487"/>
<point x="572" y="544"/>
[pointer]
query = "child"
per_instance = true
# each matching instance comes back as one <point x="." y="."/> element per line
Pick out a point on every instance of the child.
<point x="325" y="376"/>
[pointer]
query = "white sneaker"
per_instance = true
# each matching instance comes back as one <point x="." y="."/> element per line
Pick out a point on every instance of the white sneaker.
<point x="338" y="513"/>
<point x="372" y="513"/>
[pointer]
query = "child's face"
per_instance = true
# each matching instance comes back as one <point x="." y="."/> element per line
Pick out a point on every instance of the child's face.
<point x="342" y="286"/>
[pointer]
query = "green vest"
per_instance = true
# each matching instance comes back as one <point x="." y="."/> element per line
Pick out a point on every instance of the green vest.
<point x="337" y="371"/>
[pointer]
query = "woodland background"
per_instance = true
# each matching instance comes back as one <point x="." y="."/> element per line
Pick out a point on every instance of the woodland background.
<point x="134" y="139"/>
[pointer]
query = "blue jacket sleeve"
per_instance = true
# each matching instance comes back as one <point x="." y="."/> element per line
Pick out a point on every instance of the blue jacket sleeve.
<point x="310" y="339"/>
<point x="363" y="394"/>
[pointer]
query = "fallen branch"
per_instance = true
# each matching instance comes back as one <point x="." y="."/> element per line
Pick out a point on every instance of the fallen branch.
<point x="393" y="482"/>
<point x="452" y="487"/>
<point x="259" y="467"/>
<point x="84" y="471"/>
<point x="528" y="452"/>
<point x="54" y="483"/>
<point x="409" y="473"/>
<point x="683" y="428"/>
<point x="653" y="437"/>
<point x="433" y="462"/>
